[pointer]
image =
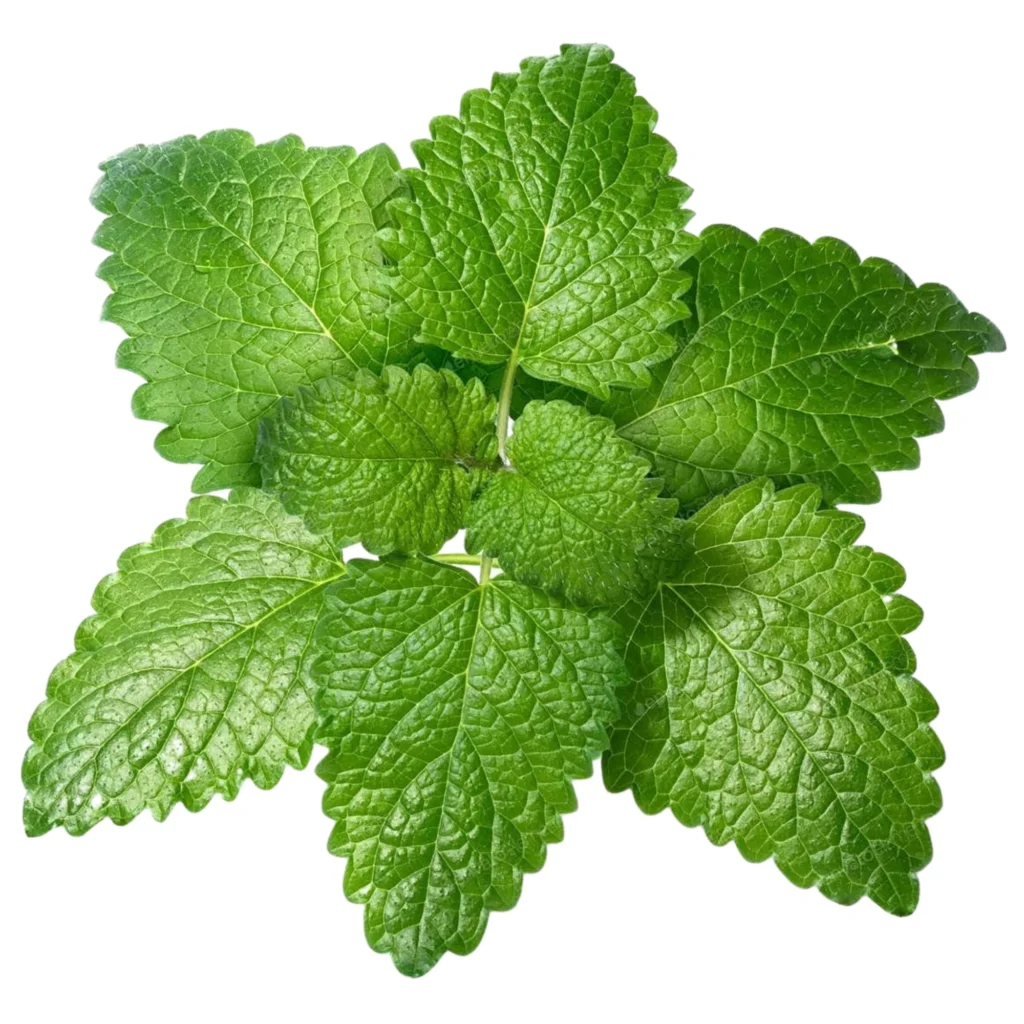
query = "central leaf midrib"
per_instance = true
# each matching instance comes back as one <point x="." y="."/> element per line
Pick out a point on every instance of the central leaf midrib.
<point x="481" y="591"/>
<point x="477" y="591"/>
<point x="727" y="315"/>
<point x="547" y="220"/>
<point x="737" y="384"/>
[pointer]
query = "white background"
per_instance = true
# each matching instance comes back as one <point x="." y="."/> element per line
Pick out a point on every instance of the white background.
<point x="895" y="126"/>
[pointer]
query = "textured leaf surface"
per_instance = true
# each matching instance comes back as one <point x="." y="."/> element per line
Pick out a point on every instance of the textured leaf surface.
<point x="576" y="512"/>
<point x="807" y="364"/>
<point x="771" y="699"/>
<point x="192" y="676"/>
<point x="544" y="228"/>
<point x="457" y="716"/>
<point x="240" y="272"/>
<point x="389" y="462"/>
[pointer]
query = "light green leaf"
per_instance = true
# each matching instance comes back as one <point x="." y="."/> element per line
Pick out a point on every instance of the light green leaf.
<point x="807" y="364"/>
<point x="544" y="229"/>
<point x="576" y="512"/>
<point x="389" y="462"/>
<point x="193" y="675"/>
<point x="456" y="715"/>
<point x="240" y="272"/>
<point x="772" y="703"/>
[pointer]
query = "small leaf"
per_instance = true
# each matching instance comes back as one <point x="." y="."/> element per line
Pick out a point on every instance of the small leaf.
<point x="193" y="675"/>
<point x="577" y="512"/>
<point x="807" y="364"/>
<point x="772" y="700"/>
<point x="389" y="462"/>
<point x="457" y="716"/>
<point x="240" y="272"/>
<point x="544" y="228"/>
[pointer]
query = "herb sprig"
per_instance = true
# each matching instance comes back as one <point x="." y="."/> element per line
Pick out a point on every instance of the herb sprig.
<point x="643" y="433"/>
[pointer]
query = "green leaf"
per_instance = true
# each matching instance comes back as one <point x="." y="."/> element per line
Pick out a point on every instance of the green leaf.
<point x="457" y="716"/>
<point x="544" y="229"/>
<point x="772" y="703"/>
<point x="576" y="513"/>
<point x="389" y="462"/>
<point x="193" y="675"/>
<point x="807" y="364"/>
<point x="240" y="272"/>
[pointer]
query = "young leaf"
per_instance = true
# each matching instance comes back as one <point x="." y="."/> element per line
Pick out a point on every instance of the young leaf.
<point x="457" y="716"/>
<point x="544" y="229"/>
<point x="772" y="702"/>
<point x="388" y="461"/>
<point x="577" y="512"/>
<point x="240" y="272"/>
<point x="193" y="675"/>
<point x="807" y="363"/>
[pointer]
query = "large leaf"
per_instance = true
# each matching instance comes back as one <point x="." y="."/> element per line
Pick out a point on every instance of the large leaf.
<point x="576" y="512"/>
<point x="457" y="716"/>
<point x="544" y="229"/>
<point x="807" y="364"/>
<point x="387" y="461"/>
<point x="193" y="675"/>
<point x="772" y="703"/>
<point x="240" y="272"/>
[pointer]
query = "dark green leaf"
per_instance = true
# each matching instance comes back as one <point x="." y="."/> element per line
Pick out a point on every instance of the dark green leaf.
<point x="807" y="364"/>
<point x="576" y="512"/>
<point x="772" y="700"/>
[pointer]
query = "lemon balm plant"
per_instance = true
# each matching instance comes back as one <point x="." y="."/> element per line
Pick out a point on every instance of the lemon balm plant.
<point x="654" y="571"/>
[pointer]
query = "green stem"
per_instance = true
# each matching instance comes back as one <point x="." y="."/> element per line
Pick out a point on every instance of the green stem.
<point x="457" y="558"/>
<point x="501" y="425"/>
<point x="505" y="402"/>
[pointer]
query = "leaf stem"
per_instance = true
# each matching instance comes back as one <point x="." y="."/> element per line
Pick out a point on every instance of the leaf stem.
<point x="505" y="402"/>
<point x="485" y="568"/>
<point x="458" y="558"/>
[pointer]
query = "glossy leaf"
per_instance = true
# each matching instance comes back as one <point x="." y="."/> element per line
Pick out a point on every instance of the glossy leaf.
<point x="772" y="702"/>
<point x="240" y="272"/>
<point x="192" y="676"/>
<point x="543" y="227"/>
<point x="457" y="716"/>
<point x="807" y="364"/>
<point x="387" y="461"/>
<point x="576" y="512"/>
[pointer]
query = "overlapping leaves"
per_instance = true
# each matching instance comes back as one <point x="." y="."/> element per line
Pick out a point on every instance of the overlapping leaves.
<point x="576" y="512"/>
<point x="239" y="273"/>
<point x="806" y="363"/>
<point x="389" y="462"/>
<point x="366" y="325"/>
